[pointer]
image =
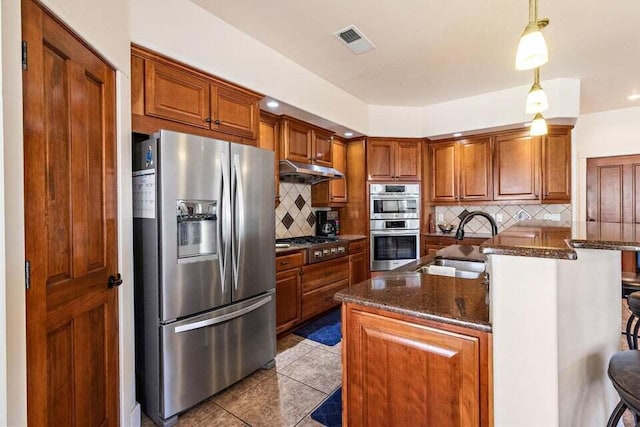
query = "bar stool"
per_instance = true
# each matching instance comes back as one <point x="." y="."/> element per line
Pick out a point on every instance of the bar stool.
<point x="624" y="367"/>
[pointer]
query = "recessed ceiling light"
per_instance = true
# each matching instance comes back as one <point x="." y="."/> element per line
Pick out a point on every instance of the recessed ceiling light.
<point x="634" y="97"/>
<point x="457" y="134"/>
<point x="273" y="104"/>
<point x="347" y="134"/>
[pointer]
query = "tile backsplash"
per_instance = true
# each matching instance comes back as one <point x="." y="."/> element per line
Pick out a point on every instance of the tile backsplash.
<point x="294" y="215"/>
<point x="510" y="215"/>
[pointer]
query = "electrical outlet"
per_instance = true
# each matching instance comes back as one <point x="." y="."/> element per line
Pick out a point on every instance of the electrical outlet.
<point x="440" y="217"/>
<point x="552" y="217"/>
<point x="498" y="217"/>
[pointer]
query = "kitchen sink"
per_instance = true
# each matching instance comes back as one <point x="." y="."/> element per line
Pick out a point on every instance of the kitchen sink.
<point x="453" y="268"/>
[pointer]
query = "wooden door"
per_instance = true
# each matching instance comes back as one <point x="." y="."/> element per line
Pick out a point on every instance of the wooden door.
<point x="338" y="187"/>
<point x="408" y="160"/>
<point x="381" y="160"/>
<point x="613" y="189"/>
<point x="516" y="167"/>
<point x="288" y="299"/>
<point x="177" y="95"/>
<point x="70" y="228"/>
<point x="269" y="137"/>
<point x="234" y="112"/>
<point x="400" y="373"/>
<point x="444" y="178"/>
<point x="475" y="169"/>
<point x="556" y="166"/>
<point x="322" y="148"/>
<point x="358" y="268"/>
<point x="296" y="142"/>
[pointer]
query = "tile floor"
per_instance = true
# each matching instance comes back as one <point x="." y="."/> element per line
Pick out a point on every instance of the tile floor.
<point x="305" y="374"/>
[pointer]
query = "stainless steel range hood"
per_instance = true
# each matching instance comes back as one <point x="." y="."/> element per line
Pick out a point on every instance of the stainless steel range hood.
<point x="306" y="173"/>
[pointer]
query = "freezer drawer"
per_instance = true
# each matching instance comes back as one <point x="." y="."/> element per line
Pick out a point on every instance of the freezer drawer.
<point x="205" y="354"/>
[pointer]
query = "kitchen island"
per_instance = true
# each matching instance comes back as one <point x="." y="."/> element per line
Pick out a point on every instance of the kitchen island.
<point x="553" y="305"/>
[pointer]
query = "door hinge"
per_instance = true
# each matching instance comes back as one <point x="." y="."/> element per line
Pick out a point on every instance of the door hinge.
<point x="24" y="55"/>
<point x="27" y="274"/>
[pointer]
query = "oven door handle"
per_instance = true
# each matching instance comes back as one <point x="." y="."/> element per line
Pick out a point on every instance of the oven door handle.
<point x="395" y="232"/>
<point x="392" y="197"/>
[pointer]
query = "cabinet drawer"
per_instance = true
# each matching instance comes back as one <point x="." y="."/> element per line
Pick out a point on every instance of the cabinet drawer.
<point x="287" y="262"/>
<point x="357" y="247"/>
<point x="321" y="299"/>
<point x="324" y="273"/>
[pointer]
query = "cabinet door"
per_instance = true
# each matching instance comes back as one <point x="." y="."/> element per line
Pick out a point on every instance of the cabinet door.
<point x="322" y="148"/>
<point x="381" y="160"/>
<point x="296" y="144"/>
<point x="288" y="299"/>
<point x="177" y="95"/>
<point x="556" y="167"/>
<point x="408" y="160"/>
<point x="475" y="169"/>
<point x="516" y="167"/>
<point x="410" y="374"/>
<point x="338" y="187"/>
<point x="358" y="268"/>
<point x="268" y="139"/>
<point x="444" y="180"/>
<point x="234" y="112"/>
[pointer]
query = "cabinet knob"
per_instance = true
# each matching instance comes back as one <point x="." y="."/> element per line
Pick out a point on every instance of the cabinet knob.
<point x="535" y="194"/>
<point x="208" y="120"/>
<point x="217" y="122"/>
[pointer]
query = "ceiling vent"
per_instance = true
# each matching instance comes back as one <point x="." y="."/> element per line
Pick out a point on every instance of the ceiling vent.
<point x="354" y="39"/>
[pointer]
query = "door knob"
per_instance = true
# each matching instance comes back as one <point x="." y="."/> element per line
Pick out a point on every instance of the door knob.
<point x="114" y="281"/>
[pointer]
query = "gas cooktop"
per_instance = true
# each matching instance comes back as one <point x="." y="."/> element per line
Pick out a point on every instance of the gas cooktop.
<point x="307" y="240"/>
<point x="318" y="248"/>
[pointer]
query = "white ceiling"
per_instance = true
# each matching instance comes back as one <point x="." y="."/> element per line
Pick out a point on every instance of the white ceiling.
<point x="434" y="51"/>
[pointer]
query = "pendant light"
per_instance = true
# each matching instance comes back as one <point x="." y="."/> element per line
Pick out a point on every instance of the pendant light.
<point x="538" y="125"/>
<point x="532" y="49"/>
<point x="537" y="99"/>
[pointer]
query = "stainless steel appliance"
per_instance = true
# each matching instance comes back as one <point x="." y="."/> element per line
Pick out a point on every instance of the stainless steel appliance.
<point x="327" y="223"/>
<point x="204" y="232"/>
<point x="395" y="225"/>
<point x="318" y="248"/>
<point x="391" y="201"/>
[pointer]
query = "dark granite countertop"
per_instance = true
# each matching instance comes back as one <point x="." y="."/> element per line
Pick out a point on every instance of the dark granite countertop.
<point x="544" y="239"/>
<point x="286" y="251"/>
<point x="460" y="302"/>
<point x="453" y="235"/>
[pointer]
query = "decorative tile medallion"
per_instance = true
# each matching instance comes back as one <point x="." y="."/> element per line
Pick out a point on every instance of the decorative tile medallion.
<point x="287" y="220"/>
<point x="300" y="202"/>
<point x="311" y="219"/>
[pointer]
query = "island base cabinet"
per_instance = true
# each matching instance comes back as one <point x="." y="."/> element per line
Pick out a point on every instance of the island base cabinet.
<point x="404" y="371"/>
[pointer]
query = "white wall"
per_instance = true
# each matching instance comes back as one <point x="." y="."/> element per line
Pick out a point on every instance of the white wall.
<point x="609" y="133"/>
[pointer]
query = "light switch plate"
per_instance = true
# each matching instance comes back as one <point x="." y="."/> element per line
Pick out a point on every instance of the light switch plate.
<point x="552" y="217"/>
<point x="440" y="217"/>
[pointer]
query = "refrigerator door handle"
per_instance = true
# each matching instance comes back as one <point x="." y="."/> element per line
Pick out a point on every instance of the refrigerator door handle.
<point x="238" y="202"/>
<point x="222" y="218"/>
<point x="223" y="318"/>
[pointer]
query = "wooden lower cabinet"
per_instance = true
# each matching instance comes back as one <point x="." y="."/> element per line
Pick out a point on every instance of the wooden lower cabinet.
<point x="320" y="282"/>
<point x="288" y="295"/>
<point x="358" y="262"/>
<point x="400" y="370"/>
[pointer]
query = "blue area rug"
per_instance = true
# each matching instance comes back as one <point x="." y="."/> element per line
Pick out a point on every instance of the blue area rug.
<point x="330" y="412"/>
<point x="325" y="330"/>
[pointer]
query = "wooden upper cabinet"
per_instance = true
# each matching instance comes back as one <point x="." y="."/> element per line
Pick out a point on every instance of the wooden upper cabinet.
<point x="391" y="160"/>
<point x="408" y="160"/>
<point x="296" y="142"/>
<point x="177" y="95"/>
<point x="234" y="112"/>
<point x="322" y="148"/>
<point x="475" y="169"/>
<point x="166" y="94"/>
<point x="333" y="193"/>
<point x="269" y="137"/>
<point x="444" y="176"/>
<point x="556" y="166"/>
<point x="380" y="160"/>
<point x="516" y="167"/>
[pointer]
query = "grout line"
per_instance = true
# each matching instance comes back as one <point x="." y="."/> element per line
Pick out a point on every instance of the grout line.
<point x="232" y="414"/>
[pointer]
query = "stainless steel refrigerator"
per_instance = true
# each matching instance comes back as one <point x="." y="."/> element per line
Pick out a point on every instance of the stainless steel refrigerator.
<point x="204" y="268"/>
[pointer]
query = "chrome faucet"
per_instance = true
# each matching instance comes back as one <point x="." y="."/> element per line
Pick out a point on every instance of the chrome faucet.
<point x="466" y="219"/>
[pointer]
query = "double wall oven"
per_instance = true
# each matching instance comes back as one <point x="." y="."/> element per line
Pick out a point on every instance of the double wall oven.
<point x="395" y="225"/>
